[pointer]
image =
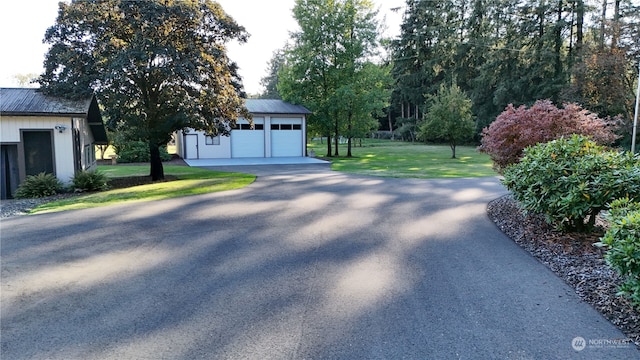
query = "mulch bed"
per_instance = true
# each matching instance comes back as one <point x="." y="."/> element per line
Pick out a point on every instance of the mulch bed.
<point x="574" y="258"/>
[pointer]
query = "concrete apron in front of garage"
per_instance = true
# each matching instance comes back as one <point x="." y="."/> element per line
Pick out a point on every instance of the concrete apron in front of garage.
<point x="254" y="161"/>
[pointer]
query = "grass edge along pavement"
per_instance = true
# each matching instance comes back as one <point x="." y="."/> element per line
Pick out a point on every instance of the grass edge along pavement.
<point x="382" y="158"/>
<point x="189" y="181"/>
<point x="388" y="158"/>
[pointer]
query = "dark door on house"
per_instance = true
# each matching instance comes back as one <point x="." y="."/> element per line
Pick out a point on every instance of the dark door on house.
<point x="9" y="171"/>
<point x="77" y="154"/>
<point x="38" y="152"/>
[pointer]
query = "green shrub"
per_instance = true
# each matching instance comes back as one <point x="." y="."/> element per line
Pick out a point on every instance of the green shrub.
<point x="41" y="185"/>
<point x="622" y="241"/>
<point x="137" y="151"/>
<point x="570" y="180"/>
<point x="89" y="181"/>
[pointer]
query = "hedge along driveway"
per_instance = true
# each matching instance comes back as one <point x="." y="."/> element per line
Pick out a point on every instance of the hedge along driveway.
<point x="189" y="181"/>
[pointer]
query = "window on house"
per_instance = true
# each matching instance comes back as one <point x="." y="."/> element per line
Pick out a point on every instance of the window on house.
<point x="88" y="159"/>
<point x="212" y="140"/>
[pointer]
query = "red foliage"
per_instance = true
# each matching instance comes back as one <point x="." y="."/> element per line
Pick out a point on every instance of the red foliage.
<point x="517" y="128"/>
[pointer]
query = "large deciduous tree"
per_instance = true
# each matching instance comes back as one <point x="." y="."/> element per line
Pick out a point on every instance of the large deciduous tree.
<point x="362" y="98"/>
<point x="329" y="57"/>
<point x="157" y="66"/>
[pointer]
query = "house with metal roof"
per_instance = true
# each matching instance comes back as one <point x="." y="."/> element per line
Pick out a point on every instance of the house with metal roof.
<point x="40" y="133"/>
<point x="278" y="130"/>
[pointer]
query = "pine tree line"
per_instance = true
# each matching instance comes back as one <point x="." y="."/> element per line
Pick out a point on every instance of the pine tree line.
<point x="517" y="51"/>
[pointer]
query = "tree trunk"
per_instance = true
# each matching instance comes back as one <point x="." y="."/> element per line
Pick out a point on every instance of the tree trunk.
<point x="329" y="144"/>
<point x="157" y="171"/>
<point x="615" y="33"/>
<point x="103" y="150"/>
<point x="349" y="128"/>
<point x="558" y="40"/>
<point x="390" y="124"/>
<point x="579" y="26"/>
<point x="603" y="22"/>
<point x="337" y="139"/>
<point x="453" y="150"/>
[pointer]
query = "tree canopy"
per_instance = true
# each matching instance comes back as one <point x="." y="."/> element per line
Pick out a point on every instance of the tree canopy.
<point x="156" y="66"/>
<point x="328" y="67"/>
<point x="448" y="118"/>
<point x="270" y="81"/>
<point x="504" y="52"/>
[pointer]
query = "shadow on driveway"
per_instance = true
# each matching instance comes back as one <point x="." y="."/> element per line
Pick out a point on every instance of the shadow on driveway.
<point x="301" y="264"/>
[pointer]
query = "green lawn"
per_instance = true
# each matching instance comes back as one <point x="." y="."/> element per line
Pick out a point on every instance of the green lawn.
<point x="409" y="160"/>
<point x="376" y="157"/>
<point x="190" y="181"/>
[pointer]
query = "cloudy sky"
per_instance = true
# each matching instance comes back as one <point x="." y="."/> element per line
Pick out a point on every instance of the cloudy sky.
<point x="24" y="22"/>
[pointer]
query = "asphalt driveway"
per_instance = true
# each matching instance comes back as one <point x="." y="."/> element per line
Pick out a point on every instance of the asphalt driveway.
<point x="303" y="264"/>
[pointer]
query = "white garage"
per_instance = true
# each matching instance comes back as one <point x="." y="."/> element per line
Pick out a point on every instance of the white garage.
<point x="278" y="130"/>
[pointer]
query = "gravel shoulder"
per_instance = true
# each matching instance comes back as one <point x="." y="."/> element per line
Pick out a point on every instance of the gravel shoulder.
<point x="573" y="258"/>
<point x="17" y="207"/>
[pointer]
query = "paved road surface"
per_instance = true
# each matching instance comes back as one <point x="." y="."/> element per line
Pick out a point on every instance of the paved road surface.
<point x="311" y="265"/>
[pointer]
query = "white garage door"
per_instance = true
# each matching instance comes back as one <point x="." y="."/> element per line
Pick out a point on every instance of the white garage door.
<point x="286" y="137"/>
<point x="247" y="142"/>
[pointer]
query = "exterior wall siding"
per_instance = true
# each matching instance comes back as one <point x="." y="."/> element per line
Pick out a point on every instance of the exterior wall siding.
<point x="87" y="144"/>
<point x="192" y="144"/>
<point x="12" y="126"/>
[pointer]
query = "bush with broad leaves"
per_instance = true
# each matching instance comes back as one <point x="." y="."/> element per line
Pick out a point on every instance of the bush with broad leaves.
<point x="570" y="180"/>
<point x="622" y="242"/>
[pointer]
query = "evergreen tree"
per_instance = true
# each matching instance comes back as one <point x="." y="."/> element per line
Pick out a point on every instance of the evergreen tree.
<point x="270" y="82"/>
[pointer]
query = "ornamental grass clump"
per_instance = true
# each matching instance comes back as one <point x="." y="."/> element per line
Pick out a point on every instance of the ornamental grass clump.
<point x="571" y="180"/>
<point x="622" y="241"/>
<point x="37" y="186"/>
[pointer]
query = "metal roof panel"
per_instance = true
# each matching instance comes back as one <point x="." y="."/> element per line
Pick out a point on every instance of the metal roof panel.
<point x="27" y="101"/>
<point x="32" y="102"/>
<point x="272" y="106"/>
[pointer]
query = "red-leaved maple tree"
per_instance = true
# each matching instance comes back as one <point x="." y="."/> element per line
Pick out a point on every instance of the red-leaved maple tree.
<point x="519" y="127"/>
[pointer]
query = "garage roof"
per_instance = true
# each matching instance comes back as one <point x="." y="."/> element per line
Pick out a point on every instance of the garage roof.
<point x="271" y="106"/>
<point x="32" y="102"/>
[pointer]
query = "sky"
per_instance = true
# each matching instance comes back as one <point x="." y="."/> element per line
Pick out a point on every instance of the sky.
<point x="24" y="22"/>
